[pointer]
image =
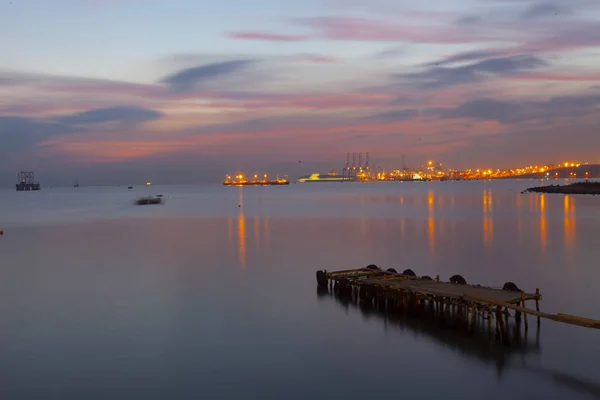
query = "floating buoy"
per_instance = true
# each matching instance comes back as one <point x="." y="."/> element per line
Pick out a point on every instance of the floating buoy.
<point x="1" y="232"/>
<point x="409" y="272"/>
<point x="457" y="279"/>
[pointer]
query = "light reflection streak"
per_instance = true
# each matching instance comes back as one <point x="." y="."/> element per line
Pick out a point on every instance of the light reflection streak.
<point x="242" y="231"/>
<point x="543" y="233"/>
<point x="569" y="222"/>
<point x="488" y="221"/>
<point x="431" y="221"/>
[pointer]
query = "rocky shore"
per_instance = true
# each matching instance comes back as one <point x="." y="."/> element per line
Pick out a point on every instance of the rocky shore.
<point x="573" y="188"/>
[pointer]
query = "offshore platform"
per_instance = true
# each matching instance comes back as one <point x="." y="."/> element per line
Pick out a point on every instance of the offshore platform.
<point x="26" y="182"/>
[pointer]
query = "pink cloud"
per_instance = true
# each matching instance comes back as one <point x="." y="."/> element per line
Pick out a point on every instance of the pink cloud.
<point x="103" y="148"/>
<point x="268" y="36"/>
<point x="362" y="29"/>
<point x="317" y="59"/>
<point x="583" y="77"/>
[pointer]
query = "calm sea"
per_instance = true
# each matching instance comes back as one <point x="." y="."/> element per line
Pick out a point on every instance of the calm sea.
<point x="213" y="294"/>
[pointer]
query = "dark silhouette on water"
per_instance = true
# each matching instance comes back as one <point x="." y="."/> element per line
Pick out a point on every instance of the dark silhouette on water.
<point x="480" y="345"/>
<point x="142" y="201"/>
<point x="574" y="188"/>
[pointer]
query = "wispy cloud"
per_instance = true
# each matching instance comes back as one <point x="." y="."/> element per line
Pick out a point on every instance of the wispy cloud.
<point x="314" y="58"/>
<point x="124" y="114"/>
<point x="276" y="37"/>
<point x="371" y="30"/>
<point x="193" y="78"/>
<point x="396" y="115"/>
<point x="445" y="76"/>
<point x="544" y="9"/>
<point x="511" y="112"/>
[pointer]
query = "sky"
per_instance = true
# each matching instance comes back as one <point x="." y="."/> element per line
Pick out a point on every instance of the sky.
<point x="182" y="91"/>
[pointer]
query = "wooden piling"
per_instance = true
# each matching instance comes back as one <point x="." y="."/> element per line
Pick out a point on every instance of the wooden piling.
<point x="502" y="327"/>
<point x="473" y="320"/>
<point x="524" y="314"/>
<point x="537" y="303"/>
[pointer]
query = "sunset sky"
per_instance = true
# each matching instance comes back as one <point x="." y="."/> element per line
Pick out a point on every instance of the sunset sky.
<point x="182" y="91"/>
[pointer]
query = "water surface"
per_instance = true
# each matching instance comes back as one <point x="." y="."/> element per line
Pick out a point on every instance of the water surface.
<point x="213" y="295"/>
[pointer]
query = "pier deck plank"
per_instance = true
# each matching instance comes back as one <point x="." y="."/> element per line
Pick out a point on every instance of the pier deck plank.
<point x="452" y="290"/>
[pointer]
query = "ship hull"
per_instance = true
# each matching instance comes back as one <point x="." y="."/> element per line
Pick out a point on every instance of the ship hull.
<point x="273" y="183"/>
<point x="325" y="180"/>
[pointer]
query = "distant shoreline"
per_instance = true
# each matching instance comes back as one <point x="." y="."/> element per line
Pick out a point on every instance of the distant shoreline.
<point x="592" y="188"/>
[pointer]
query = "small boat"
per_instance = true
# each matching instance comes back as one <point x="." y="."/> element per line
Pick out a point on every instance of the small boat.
<point x="142" y="201"/>
<point x="130" y="187"/>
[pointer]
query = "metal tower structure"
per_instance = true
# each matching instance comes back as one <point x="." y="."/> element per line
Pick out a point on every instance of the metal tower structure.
<point x="346" y="170"/>
<point x="360" y="160"/>
<point x="367" y="161"/>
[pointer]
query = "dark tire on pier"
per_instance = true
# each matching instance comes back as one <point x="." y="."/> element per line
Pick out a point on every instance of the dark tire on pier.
<point x="511" y="287"/>
<point x="457" y="279"/>
<point x="322" y="278"/>
<point x="426" y="278"/>
<point x="391" y="270"/>
<point x="373" y="267"/>
<point x="409" y="272"/>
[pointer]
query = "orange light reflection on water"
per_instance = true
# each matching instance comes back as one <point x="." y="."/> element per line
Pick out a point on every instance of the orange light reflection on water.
<point x="543" y="233"/>
<point x="431" y="221"/>
<point x="488" y="222"/>
<point x="569" y="222"/>
<point x="242" y="230"/>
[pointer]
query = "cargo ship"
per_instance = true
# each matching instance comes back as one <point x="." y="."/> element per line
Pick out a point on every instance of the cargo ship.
<point x="330" y="177"/>
<point x="241" y="180"/>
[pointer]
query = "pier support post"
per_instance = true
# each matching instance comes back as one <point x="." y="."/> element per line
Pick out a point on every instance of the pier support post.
<point x="473" y="319"/>
<point x="524" y="314"/>
<point x="459" y="314"/>
<point x="501" y="327"/>
<point x="537" y="304"/>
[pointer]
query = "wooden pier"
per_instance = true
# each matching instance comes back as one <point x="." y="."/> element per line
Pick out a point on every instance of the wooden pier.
<point x="454" y="301"/>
